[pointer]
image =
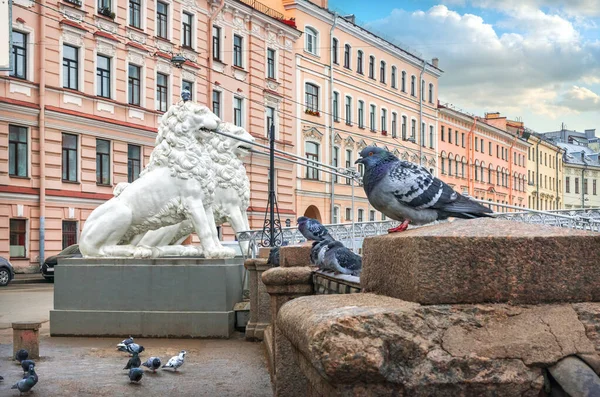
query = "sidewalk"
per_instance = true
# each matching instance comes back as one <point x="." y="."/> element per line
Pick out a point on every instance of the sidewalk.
<point x="93" y="367"/>
<point x="28" y="278"/>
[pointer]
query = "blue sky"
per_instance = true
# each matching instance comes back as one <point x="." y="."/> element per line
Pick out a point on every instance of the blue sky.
<point x="534" y="59"/>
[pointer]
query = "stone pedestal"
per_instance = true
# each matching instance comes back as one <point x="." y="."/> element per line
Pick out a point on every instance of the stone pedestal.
<point x="165" y="297"/>
<point x="260" y="303"/>
<point x="26" y="335"/>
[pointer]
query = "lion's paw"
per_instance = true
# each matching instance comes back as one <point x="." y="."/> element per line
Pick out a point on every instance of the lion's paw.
<point x="145" y="252"/>
<point x="226" y="252"/>
<point x="190" y="250"/>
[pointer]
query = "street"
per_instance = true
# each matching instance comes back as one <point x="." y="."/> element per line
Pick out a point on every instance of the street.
<point x="25" y="302"/>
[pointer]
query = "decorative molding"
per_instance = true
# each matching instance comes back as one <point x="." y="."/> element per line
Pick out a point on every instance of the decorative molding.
<point x="191" y="55"/>
<point x="239" y="74"/>
<point x="72" y="36"/>
<point x="362" y="144"/>
<point x="405" y="156"/>
<point x="24" y="3"/>
<point x="71" y="213"/>
<point x="288" y="44"/>
<point x="189" y="5"/>
<point x="72" y="99"/>
<point x="105" y="107"/>
<point x="218" y="66"/>
<point x="71" y="13"/>
<point x="164" y="46"/>
<point x="136" y="57"/>
<point x="107" y="26"/>
<point x="136" y="114"/>
<point x="136" y="36"/>
<point x="349" y="142"/>
<point x="337" y="139"/>
<point x="312" y="133"/>
<point x="188" y="75"/>
<point x="163" y="67"/>
<point x="19" y="88"/>
<point x="106" y="48"/>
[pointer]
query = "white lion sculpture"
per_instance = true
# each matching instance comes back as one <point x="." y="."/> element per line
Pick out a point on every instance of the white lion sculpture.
<point x="178" y="185"/>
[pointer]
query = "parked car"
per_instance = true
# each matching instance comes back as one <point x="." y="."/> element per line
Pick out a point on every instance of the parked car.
<point x="7" y="273"/>
<point x="47" y="268"/>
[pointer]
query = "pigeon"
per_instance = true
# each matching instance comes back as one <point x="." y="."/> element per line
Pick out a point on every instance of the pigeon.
<point x="341" y="260"/>
<point x="21" y="355"/>
<point x="1" y="378"/>
<point x="31" y="372"/>
<point x="407" y="192"/>
<point x="135" y="375"/>
<point x="273" y="257"/>
<point x="312" y="229"/>
<point x="127" y="341"/>
<point x="317" y="253"/>
<point x="175" y="361"/>
<point x="153" y="363"/>
<point x="130" y="348"/>
<point x="25" y="365"/>
<point x="134" y="361"/>
<point x="25" y="384"/>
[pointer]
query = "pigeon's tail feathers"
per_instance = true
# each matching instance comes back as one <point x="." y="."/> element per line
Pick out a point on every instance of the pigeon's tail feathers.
<point x="466" y="207"/>
<point x="15" y="386"/>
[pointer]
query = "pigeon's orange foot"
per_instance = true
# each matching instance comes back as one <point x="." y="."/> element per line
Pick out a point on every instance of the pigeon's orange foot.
<point x="400" y="228"/>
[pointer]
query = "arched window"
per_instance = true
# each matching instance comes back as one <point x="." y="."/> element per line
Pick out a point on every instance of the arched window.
<point x="450" y="164"/>
<point x="361" y="114"/>
<point x="403" y="82"/>
<point x="312" y="153"/>
<point x="443" y="160"/>
<point x="476" y="170"/>
<point x="413" y="82"/>
<point x="456" y="165"/>
<point x="431" y="140"/>
<point x="498" y="176"/>
<point x="462" y="167"/>
<point x="372" y="67"/>
<point x="490" y="170"/>
<point x="348" y="110"/>
<point x="394" y="125"/>
<point x="382" y="72"/>
<point x="422" y="90"/>
<point x="393" y="77"/>
<point x="403" y="128"/>
<point x="347" y="50"/>
<point x="359" y="62"/>
<point x="311" y="42"/>
<point x="430" y="93"/>
<point x="482" y="172"/>
<point x="334" y="51"/>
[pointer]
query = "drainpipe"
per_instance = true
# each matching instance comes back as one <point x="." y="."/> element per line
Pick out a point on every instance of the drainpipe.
<point x="421" y="113"/>
<point x="537" y="173"/>
<point x="331" y="127"/>
<point x="557" y="182"/>
<point x="42" y="129"/>
<point x="210" y="52"/>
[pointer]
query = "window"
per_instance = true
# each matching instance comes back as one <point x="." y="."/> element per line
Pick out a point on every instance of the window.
<point x="443" y="166"/>
<point x="312" y="153"/>
<point x="576" y="185"/>
<point x="462" y="139"/>
<point x="336" y="215"/>
<point x="162" y="16"/>
<point x="403" y="128"/>
<point x="585" y="186"/>
<point x="103" y="76"/>
<point x="348" y="165"/>
<point x="216" y="43"/>
<point x="311" y="99"/>
<point x="449" y="135"/>
<point x="413" y="82"/>
<point x="361" y="114"/>
<point x="372" y="67"/>
<point x="403" y="82"/>
<point x="102" y="162"/>
<point x="216" y="103"/>
<point x="383" y="125"/>
<point x="336" y="162"/>
<point x="442" y="134"/>
<point x="134" y="162"/>
<point x="270" y="120"/>
<point x="490" y="148"/>
<point x="348" y="214"/>
<point x="69" y="233"/>
<point x="334" y="51"/>
<point x="422" y="90"/>
<point x="359" y="62"/>
<point x="393" y="82"/>
<point x="594" y="187"/>
<point x="238" y="104"/>
<point x="186" y="28"/>
<point x="371" y="216"/>
<point x="237" y="51"/>
<point x="69" y="157"/>
<point x="497" y="151"/>
<point x="348" y="110"/>
<point x="394" y="125"/>
<point x="135" y="13"/>
<point x="104" y="4"/>
<point x="133" y="84"/>
<point x="162" y="90"/>
<point x="382" y="72"/>
<point x="70" y="67"/>
<point x="361" y="213"/>
<point x="311" y="41"/>
<point x="456" y="137"/>
<point x="431" y="136"/>
<point x="188" y="85"/>
<point x="336" y="106"/>
<point x="423" y="143"/>
<point x="430" y="93"/>
<point x="482" y="147"/>
<point x="413" y="129"/>
<point x="450" y="167"/>
<point x="18" y="238"/>
<point x="17" y="151"/>
<point x="271" y="63"/>
<point x="372" y="118"/>
<point x="347" y="50"/>
<point x="19" y="55"/>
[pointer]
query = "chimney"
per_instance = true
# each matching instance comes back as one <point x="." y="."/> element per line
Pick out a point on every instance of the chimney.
<point x="590" y="133"/>
<point x="350" y="18"/>
<point x="435" y="62"/>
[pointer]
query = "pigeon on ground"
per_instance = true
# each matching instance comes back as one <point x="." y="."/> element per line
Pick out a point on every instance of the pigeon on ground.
<point x="130" y="348"/>
<point x="341" y="260"/>
<point x="1" y="378"/>
<point x="134" y="361"/>
<point x="175" y="361"/>
<point x="312" y="229"/>
<point x="21" y="355"/>
<point x="127" y="341"/>
<point x="153" y="363"/>
<point x="273" y="257"/>
<point x="25" y="384"/>
<point x="25" y="365"/>
<point x="407" y="192"/>
<point x="135" y="375"/>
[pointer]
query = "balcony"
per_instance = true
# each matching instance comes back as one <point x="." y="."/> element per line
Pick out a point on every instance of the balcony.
<point x="270" y="12"/>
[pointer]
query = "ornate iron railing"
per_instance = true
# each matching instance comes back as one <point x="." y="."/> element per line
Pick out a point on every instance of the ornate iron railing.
<point x="264" y="9"/>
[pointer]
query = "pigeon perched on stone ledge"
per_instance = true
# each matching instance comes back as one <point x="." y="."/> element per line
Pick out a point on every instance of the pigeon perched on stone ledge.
<point x="340" y="259"/>
<point x="312" y="229"/>
<point x="407" y="192"/>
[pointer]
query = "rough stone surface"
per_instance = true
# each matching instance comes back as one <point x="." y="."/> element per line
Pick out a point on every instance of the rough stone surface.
<point x="484" y="260"/>
<point x="295" y="255"/>
<point x="288" y="280"/>
<point x="26" y="336"/>
<point x="370" y="345"/>
<point x="260" y="302"/>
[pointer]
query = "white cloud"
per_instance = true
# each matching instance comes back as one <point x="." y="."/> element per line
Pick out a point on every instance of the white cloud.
<point x="529" y="70"/>
<point x="572" y="8"/>
<point x="580" y="99"/>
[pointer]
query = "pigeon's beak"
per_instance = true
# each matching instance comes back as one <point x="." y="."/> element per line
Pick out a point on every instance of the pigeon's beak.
<point x="359" y="160"/>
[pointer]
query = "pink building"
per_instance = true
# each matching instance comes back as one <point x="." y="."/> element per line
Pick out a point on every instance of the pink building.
<point x="481" y="159"/>
<point x="79" y="112"/>
<point x="354" y="89"/>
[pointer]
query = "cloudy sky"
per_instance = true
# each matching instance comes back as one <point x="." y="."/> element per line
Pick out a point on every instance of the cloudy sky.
<point x="534" y="59"/>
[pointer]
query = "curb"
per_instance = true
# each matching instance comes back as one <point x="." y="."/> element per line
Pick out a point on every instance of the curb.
<point x="28" y="280"/>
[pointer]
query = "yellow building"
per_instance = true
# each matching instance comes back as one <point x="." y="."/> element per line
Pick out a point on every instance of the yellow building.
<point x="544" y="175"/>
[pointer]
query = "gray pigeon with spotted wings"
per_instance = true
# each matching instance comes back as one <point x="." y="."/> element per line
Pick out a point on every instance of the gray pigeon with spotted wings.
<point x="312" y="229"/>
<point x="407" y="192"/>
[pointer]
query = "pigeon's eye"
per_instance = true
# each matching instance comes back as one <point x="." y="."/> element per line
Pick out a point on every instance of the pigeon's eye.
<point x="370" y="153"/>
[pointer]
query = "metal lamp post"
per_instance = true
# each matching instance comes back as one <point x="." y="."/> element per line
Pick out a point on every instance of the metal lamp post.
<point x="272" y="234"/>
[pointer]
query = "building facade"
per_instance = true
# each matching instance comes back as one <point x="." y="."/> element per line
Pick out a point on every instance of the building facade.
<point x="581" y="176"/>
<point x="545" y="175"/>
<point x="80" y="110"/>
<point x="354" y="89"/>
<point x="485" y="161"/>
